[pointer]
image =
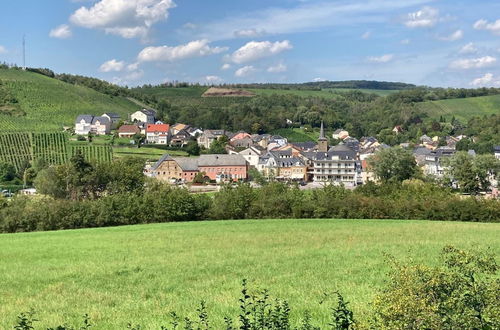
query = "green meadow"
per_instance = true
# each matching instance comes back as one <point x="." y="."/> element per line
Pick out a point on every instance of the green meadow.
<point x="463" y="109"/>
<point x="140" y="273"/>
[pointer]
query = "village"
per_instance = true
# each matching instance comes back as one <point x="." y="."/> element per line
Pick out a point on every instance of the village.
<point x="311" y="164"/>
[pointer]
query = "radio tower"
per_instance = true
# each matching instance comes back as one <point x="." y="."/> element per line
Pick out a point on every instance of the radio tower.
<point x="24" y="52"/>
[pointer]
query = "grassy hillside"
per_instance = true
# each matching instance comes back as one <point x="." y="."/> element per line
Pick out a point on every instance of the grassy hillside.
<point x="49" y="104"/>
<point x="463" y="109"/>
<point x="140" y="273"/>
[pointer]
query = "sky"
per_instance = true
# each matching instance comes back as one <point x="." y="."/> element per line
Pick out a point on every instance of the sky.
<point x="447" y="43"/>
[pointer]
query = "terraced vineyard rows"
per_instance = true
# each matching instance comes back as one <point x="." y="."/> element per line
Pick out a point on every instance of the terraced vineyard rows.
<point x="16" y="149"/>
<point x="21" y="148"/>
<point x="100" y="153"/>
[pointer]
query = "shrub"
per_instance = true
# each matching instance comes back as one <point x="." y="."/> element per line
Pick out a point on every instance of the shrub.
<point x="460" y="294"/>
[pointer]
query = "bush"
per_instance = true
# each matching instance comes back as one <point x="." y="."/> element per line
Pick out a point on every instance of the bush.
<point x="460" y="294"/>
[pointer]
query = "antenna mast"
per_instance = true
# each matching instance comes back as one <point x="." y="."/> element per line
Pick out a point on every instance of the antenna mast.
<point x="24" y="52"/>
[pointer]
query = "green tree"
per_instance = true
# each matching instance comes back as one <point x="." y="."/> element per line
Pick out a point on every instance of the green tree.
<point x="138" y="139"/>
<point x="472" y="173"/>
<point x="218" y="146"/>
<point x="394" y="164"/>
<point x="7" y="172"/>
<point x="193" y="148"/>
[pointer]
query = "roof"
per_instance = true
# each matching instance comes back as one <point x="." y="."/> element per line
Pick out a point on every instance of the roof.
<point x="149" y="112"/>
<point x="111" y="115"/>
<point x="337" y="131"/>
<point x="100" y="119"/>
<point x="87" y="118"/>
<point x="157" y="128"/>
<point x="187" y="163"/>
<point x="304" y="145"/>
<point x="129" y="129"/>
<point x="496" y="148"/>
<point x="163" y="158"/>
<point x="221" y="160"/>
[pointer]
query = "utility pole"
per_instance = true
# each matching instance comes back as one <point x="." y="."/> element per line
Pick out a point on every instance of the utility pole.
<point x="24" y="52"/>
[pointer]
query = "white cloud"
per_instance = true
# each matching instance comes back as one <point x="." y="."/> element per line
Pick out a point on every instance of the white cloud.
<point x="255" y="50"/>
<point x="62" y="32"/>
<point x="366" y="35"/>
<point x="405" y="42"/>
<point x="213" y="79"/>
<point x="225" y="66"/>
<point x="197" y="48"/>
<point x="245" y="71"/>
<point x="249" y="33"/>
<point x="280" y="67"/>
<point x="306" y="17"/>
<point x="3" y="50"/>
<point x="457" y="35"/>
<point x="473" y="63"/>
<point x="190" y="26"/>
<point x="470" y="48"/>
<point x="133" y="66"/>
<point x="493" y="27"/>
<point x="425" y="17"/>
<point x="380" y="59"/>
<point x="126" y="18"/>
<point x="487" y="80"/>
<point x="112" y="65"/>
<point x="318" y="79"/>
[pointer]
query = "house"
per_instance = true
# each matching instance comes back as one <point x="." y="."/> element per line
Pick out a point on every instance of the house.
<point x="143" y="116"/>
<point x="241" y="143"/>
<point x="496" y="151"/>
<point x="397" y="129"/>
<point x="209" y="136"/>
<point x="100" y="125"/>
<point x="181" y="138"/>
<point x="114" y="119"/>
<point x="174" y="169"/>
<point x="179" y="127"/>
<point x="282" y="165"/>
<point x="128" y="131"/>
<point x="251" y="155"/>
<point x="434" y="161"/>
<point x="304" y="146"/>
<point x="85" y="124"/>
<point x="340" y="134"/>
<point x="338" y="165"/>
<point x="223" y="167"/>
<point x="158" y="133"/>
<point x="240" y="135"/>
<point x="214" y="167"/>
<point x="194" y="131"/>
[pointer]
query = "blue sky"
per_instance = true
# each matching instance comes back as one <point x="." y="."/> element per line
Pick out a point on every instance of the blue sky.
<point x="426" y="42"/>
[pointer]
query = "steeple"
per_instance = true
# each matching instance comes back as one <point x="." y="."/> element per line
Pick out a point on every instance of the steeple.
<point x="322" y="132"/>
<point x="322" y="141"/>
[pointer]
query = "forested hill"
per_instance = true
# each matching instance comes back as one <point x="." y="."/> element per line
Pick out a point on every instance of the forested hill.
<point x="350" y="84"/>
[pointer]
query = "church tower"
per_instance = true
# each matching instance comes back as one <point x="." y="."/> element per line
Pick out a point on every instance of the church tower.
<point x="322" y="141"/>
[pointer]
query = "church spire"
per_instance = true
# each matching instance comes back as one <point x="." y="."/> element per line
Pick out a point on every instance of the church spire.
<point x="322" y="132"/>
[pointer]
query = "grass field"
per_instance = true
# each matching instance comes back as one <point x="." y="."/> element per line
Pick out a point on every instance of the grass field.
<point x="151" y="154"/>
<point x="462" y="109"/>
<point x="140" y="273"/>
<point x="297" y="134"/>
<point x="50" y="104"/>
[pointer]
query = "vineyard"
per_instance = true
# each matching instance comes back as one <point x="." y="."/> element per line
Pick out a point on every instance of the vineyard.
<point x="47" y="104"/>
<point x="20" y="149"/>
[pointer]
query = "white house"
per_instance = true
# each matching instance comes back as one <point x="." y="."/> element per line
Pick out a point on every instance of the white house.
<point x="252" y="155"/>
<point x="114" y="118"/>
<point x="158" y="133"/>
<point x="340" y="134"/>
<point x="85" y="124"/>
<point x="144" y="116"/>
